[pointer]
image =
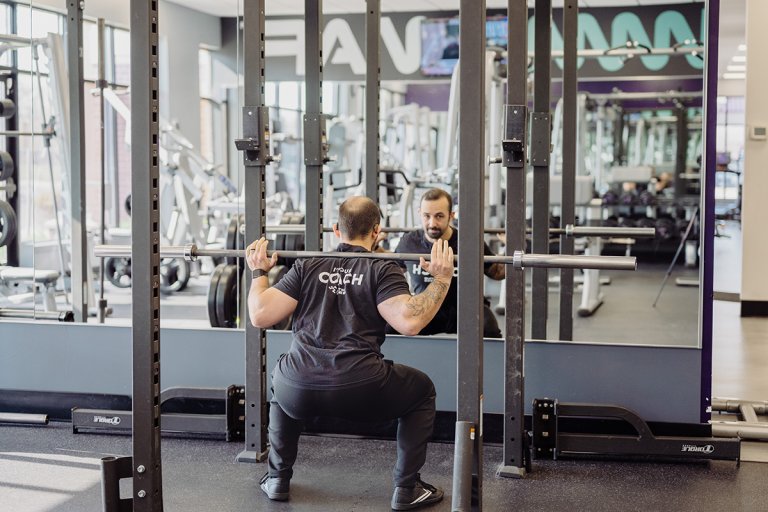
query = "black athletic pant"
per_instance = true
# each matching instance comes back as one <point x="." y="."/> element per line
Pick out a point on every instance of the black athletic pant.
<point x="405" y="394"/>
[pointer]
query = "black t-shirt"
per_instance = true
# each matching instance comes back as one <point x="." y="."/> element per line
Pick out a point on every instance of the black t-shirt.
<point x="416" y="242"/>
<point x="337" y="328"/>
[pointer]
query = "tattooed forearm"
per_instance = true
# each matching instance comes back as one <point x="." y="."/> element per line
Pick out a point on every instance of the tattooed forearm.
<point x="428" y="299"/>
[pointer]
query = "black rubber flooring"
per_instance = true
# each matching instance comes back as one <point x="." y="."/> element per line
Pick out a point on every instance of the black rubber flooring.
<point x="50" y="469"/>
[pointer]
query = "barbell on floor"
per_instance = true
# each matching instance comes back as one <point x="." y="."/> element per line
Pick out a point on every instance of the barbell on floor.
<point x="519" y="259"/>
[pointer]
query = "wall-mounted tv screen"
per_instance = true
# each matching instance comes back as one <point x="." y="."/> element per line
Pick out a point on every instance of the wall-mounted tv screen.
<point x="440" y="42"/>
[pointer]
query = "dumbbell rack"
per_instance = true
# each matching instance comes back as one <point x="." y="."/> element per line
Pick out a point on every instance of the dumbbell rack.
<point x="8" y="173"/>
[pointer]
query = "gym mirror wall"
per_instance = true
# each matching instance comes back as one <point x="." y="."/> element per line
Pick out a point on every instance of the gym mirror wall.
<point x="639" y="141"/>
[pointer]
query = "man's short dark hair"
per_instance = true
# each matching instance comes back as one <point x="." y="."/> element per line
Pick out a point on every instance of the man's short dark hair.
<point x="435" y="194"/>
<point x="358" y="216"/>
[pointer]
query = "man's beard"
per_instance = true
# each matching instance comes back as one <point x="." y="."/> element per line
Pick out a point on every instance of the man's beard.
<point x="435" y="233"/>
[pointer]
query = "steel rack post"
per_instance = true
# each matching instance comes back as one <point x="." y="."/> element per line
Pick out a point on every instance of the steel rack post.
<point x="102" y="84"/>
<point x="515" y="159"/>
<point x="145" y="256"/>
<point x="540" y="150"/>
<point x="77" y="160"/>
<point x="681" y="152"/>
<point x="256" y="154"/>
<point x="709" y="135"/>
<point x="472" y="165"/>
<point x="315" y="138"/>
<point x="372" y="80"/>
<point x="570" y="130"/>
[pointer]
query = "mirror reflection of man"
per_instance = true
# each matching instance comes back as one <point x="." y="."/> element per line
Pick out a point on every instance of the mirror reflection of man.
<point x="437" y="215"/>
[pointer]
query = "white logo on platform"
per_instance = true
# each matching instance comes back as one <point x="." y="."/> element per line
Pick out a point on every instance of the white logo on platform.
<point x="110" y="420"/>
<point x="707" y="448"/>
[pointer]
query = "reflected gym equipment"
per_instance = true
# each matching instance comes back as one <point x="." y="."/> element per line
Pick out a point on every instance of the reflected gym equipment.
<point x="174" y="272"/>
<point x="227" y="298"/>
<point x="174" y="275"/>
<point x="8" y="223"/>
<point x="6" y="165"/>
<point x="7" y="108"/>
<point x="118" y="271"/>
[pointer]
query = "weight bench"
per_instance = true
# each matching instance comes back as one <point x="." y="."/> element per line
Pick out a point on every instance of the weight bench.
<point x="39" y="280"/>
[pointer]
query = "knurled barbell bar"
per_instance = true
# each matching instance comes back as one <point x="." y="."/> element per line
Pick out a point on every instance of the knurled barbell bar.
<point x="519" y="260"/>
<point x="569" y="230"/>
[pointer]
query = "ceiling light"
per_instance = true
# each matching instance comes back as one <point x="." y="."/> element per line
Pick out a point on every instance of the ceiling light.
<point x="734" y="76"/>
<point x="742" y="47"/>
<point x="739" y="58"/>
<point x="737" y="67"/>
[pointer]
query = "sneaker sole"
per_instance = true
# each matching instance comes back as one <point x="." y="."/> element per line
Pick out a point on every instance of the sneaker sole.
<point x="276" y="496"/>
<point x="412" y="506"/>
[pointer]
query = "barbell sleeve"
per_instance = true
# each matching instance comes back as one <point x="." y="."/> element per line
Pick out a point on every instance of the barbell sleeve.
<point x="518" y="260"/>
<point x="571" y="230"/>
<point x="116" y="251"/>
<point x="569" y="261"/>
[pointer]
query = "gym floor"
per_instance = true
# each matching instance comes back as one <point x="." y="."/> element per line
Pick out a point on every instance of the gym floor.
<point x="49" y="469"/>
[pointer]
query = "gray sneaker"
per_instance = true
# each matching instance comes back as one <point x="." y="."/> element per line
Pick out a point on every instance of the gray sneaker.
<point x="275" y="488"/>
<point x="420" y="495"/>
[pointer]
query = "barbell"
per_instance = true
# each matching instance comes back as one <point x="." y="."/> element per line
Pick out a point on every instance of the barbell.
<point x="519" y="259"/>
<point x="569" y="230"/>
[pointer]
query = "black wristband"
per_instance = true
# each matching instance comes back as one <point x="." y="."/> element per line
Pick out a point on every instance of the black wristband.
<point x="256" y="273"/>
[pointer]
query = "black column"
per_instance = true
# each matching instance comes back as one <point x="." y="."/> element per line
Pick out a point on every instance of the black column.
<point x="540" y="149"/>
<point x="256" y="154"/>
<point x="681" y="154"/>
<point x="708" y="203"/>
<point x="315" y="139"/>
<point x="76" y="128"/>
<point x="570" y="137"/>
<point x="145" y="256"/>
<point x="472" y="167"/>
<point x="515" y="161"/>
<point x="372" y="76"/>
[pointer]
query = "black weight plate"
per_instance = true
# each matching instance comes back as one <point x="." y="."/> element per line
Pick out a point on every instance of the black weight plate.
<point x="242" y="293"/>
<point x="646" y="222"/>
<point x="241" y="233"/>
<point x="226" y="297"/>
<point x="280" y="242"/>
<point x="231" y="241"/>
<point x="174" y="275"/>
<point x="665" y="228"/>
<point x="118" y="271"/>
<point x="215" y="275"/>
<point x="7" y="223"/>
<point x="128" y="204"/>
<point x="240" y="240"/>
<point x="7" y="108"/>
<point x="6" y="165"/>
<point x="294" y="242"/>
